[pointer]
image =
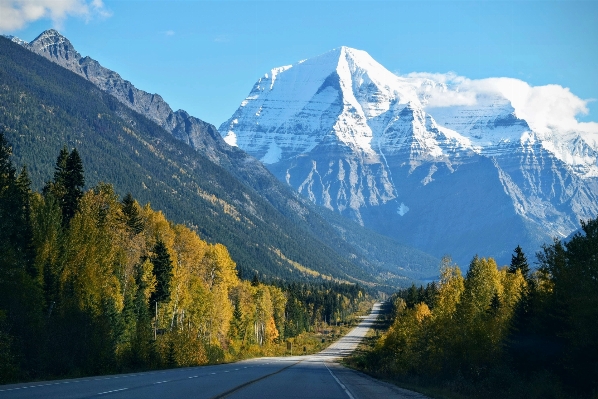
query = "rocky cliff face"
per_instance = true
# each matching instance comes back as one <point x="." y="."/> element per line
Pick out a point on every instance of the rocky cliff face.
<point x="450" y="179"/>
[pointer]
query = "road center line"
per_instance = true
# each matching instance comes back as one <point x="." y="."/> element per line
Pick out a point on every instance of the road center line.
<point x="239" y="387"/>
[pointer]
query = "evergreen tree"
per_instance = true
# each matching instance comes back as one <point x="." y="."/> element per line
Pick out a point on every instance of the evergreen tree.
<point x="16" y="234"/>
<point x="236" y="324"/>
<point x="519" y="262"/>
<point x="20" y="302"/>
<point x="256" y="280"/>
<point x="8" y="204"/>
<point x="60" y="168"/>
<point x="25" y="228"/>
<point x="73" y="184"/>
<point x="131" y="214"/>
<point x="67" y="186"/>
<point x="573" y="271"/>
<point x="162" y="271"/>
<point x="411" y="296"/>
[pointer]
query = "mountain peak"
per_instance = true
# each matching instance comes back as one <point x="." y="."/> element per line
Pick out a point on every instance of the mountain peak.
<point x="341" y="54"/>
<point x="51" y="36"/>
<point x="49" y="33"/>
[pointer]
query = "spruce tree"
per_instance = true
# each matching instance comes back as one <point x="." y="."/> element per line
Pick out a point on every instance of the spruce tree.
<point x="8" y="200"/>
<point x="67" y="186"/>
<point x="16" y="234"/>
<point x="73" y="184"/>
<point x="60" y="168"/>
<point x="519" y="262"/>
<point x="131" y="214"/>
<point x="162" y="271"/>
<point x="25" y="228"/>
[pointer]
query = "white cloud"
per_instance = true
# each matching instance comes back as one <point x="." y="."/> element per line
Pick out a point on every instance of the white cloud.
<point x="169" y="33"/>
<point x="16" y="14"/>
<point x="543" y="107"/>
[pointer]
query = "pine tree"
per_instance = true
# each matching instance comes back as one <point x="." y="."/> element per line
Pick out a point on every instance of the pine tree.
<point x="16" y="234"/>
<point x="60" y="168"/>
<point x="162" y="271"/>
<point x="131" y="214"/>
<point x="67" y="186"/>
<point x="519" y="262"/>
<point x="20" y="302"/>
<point x="73" y="184"/>
<point x="411" y="296"/>
<point x="8" y="203"/>
<point x="256" y="280"/>
<point x="25" y="228"/>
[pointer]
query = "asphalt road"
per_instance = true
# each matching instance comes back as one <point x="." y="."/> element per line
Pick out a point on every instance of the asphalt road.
<point x="312" y="376"/>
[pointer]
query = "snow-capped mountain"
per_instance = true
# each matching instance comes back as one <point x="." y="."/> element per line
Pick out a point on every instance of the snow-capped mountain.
<point x="447" y="166"/>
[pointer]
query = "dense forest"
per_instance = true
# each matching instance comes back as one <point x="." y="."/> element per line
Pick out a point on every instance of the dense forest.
<point x="92" y="283"/>
<point x="501" y="332"/>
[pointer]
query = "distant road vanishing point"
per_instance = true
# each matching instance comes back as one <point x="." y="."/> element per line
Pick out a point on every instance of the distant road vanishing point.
<point x="312" y="376"/>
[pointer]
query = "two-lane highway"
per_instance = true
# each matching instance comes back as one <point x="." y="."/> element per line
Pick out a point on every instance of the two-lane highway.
<point x="313" y="376"/>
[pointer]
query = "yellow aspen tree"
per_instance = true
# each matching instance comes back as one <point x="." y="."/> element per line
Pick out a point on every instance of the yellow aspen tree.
<point x="157" y="227"/>
<point x="450" y="289"/>
<point x="92" y="253"/>
<point x="514" y="285"/>
<point x="476" y="338"/>
<point x="279" y="303"/>
<point x="189" y="251"/>
<point x="421" y="312"/>
<point x="220" y="275"/>
<point x="244" y="298"/>
<point x="264" y="311"/>
<point x="46" y="218"/>
<point x="271" y="331"/>
<point x="199" y="308"/>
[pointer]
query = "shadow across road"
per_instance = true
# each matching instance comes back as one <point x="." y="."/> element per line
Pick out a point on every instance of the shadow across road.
<point x="312" y="376"/>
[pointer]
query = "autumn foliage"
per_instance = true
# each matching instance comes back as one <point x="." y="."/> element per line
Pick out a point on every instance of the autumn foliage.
<point x="501" y="331"/>
<point x="90" y="283"/>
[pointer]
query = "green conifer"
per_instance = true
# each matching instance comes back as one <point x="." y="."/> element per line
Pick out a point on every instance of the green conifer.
<point x="162" y="271"/>
<point x="519" y="262"/>
<point x="131" y="214"/>
<point x="73" y="184"/>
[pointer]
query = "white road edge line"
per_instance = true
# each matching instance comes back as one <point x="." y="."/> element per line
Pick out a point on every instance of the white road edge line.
<point x="339" y="382"/>
<point x="114" y="390"/>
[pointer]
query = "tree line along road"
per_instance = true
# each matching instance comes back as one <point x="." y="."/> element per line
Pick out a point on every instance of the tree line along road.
<point x="312" y="376"/>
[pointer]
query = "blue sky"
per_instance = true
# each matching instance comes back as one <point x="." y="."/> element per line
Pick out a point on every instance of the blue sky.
<point x="205" y="56"/>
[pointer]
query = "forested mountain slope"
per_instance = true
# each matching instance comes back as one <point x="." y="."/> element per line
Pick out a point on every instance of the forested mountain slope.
<point x="45" y="107"/>
<point x="345" y="236"/>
